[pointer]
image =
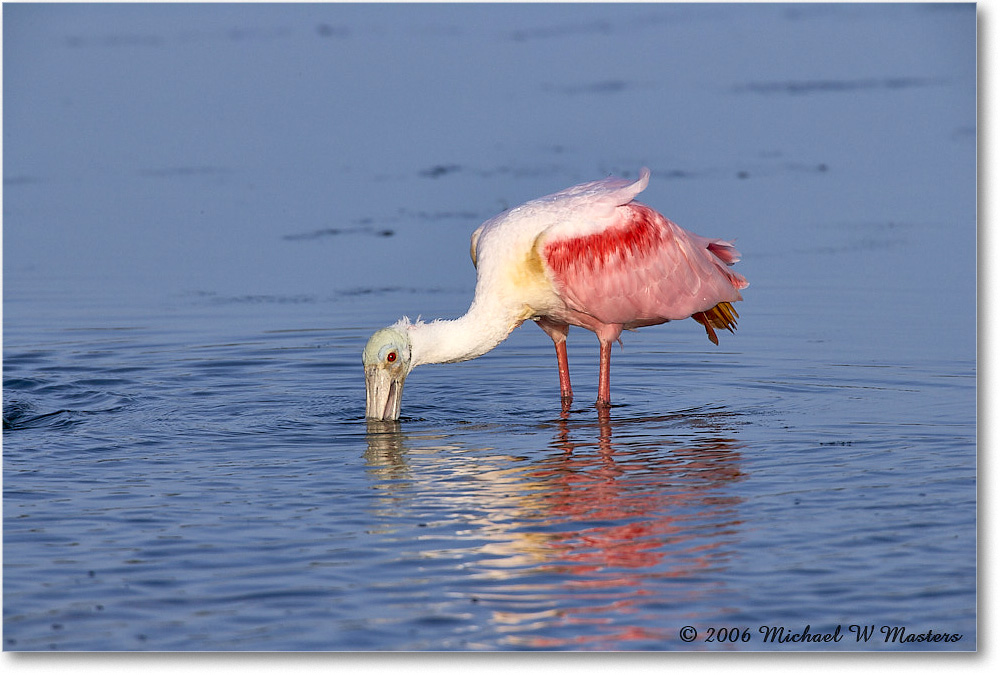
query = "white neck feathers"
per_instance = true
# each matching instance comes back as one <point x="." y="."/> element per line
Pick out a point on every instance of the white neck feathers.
<point x="447" y="341"/>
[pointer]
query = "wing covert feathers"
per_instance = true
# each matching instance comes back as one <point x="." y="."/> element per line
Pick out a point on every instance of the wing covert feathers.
<point x="474" y="246"/>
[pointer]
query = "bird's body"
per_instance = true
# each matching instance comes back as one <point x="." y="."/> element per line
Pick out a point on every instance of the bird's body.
<point x="587" y="256"/>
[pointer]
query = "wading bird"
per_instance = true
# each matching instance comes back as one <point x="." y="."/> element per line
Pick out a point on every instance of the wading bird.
<point x="587" y="256"/>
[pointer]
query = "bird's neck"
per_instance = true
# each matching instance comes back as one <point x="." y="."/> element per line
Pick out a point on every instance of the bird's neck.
<point x="446" y="341"/>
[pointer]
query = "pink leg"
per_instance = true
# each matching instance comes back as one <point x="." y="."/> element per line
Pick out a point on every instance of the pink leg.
<point x="604" y="377"/>
<point x="558" y="332"/>
<point x="565" y="389"/>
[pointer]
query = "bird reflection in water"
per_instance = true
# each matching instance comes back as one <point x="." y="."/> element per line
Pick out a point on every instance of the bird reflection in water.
<point x="598" y="540"/>
<point x="386" y="448"/>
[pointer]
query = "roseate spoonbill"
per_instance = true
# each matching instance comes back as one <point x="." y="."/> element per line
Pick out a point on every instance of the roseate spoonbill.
<point x="587" y="256"/>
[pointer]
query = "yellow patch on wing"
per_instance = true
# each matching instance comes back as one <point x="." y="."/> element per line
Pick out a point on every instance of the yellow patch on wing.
<point x="529" y="285"/>
<point x="528" y="274"/>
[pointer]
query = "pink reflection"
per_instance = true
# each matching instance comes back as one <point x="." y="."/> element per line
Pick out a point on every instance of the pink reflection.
<point x="648" y="515"/>
<point x="618" y="535"/>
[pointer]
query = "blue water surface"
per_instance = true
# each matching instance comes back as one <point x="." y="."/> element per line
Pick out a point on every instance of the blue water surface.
<point x="207" y="209"/>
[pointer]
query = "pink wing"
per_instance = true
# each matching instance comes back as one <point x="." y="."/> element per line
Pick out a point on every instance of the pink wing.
<point x="631" y="266"/>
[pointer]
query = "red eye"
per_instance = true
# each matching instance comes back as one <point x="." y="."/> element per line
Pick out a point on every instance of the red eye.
<point x="390" y="357"/>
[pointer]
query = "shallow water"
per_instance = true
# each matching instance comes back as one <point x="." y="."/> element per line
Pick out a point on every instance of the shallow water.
<point x="208" y="209"/>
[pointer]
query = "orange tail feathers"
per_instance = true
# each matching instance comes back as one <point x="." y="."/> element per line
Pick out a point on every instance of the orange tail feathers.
<point x="721" y="316"/>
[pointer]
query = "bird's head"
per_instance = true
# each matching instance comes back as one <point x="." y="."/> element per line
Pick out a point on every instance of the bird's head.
<point x="387" y="363"/>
